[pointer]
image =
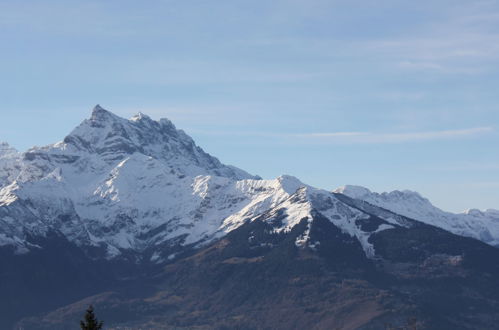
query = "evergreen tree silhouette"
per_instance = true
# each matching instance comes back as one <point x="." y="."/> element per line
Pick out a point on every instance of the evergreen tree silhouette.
<point x="90" y="322"/>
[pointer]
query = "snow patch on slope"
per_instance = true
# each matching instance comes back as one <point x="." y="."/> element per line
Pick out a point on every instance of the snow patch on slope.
<point x="472" y="223"/>
<point x="143" y="185"/>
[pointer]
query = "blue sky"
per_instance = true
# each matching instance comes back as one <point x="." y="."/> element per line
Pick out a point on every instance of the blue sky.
<point x="384" y="94"/>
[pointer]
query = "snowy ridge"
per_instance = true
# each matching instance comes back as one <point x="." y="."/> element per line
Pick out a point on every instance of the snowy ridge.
<point x="107" y="172"/>
<point x="482" y="225"/>
<point x="143" y="186"/>
<point x="9" y="163"/>
<point x="114" y="182"/>
<point x="6" y="151"/>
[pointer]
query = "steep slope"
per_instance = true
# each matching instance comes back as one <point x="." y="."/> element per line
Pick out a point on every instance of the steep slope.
<point x="109" y="182"/>
<point x="264" y="276"/>
<point x="141" y="187"/>
<point x="482" y="225"/>
<point x="133" y="216"/>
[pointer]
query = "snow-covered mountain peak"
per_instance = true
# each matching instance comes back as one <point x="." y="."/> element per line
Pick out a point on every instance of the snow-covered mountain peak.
<point x="402" y="200"/>
<point x="482" y="225"/>
<point x="98" y="108"/>
<point x="9" y="164"/>
<point x="101" y="115"/>
<point x="117" y="179"/>
<point x="140" y="116"/>
<point x="112" y="139"/>
<point x="405" y="194"/>
<point x="138" y="184"/>
<point x="353" y="191"/>
<point x="6" y="150"/>
<point x="360" y="192"/>
<point x="491" y="213"/>
<point x="140" y="131"/>
<point x="99" y="143"/>
<point x="473" y="212"/>
<point x="290" y="184"/>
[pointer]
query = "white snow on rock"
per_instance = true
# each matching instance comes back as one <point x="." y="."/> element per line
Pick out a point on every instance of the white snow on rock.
<point x="143" y="185"/>
<point x="9" y="164"/>
<point x="482" y="225"/>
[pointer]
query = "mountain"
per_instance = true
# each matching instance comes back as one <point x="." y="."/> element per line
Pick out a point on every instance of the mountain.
<point x="133" y="217"/>
<point x="131" y="186"/>
<point x="313" y="275"/>
<point x="482" y="225"/>
<point x="8" y="163"/>
<point x="109" y="183"/>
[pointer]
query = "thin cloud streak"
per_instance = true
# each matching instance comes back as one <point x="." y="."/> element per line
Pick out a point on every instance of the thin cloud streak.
<point x="464" y="167"/>
<point x="362" y="137"/>
<point x="366" y="137"/>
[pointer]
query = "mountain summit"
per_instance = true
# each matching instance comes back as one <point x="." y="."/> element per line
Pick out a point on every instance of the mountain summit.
<point x="112" y="138"/>
<point x="111" y="180"/>
<point x="135" y="203"/>
<point x="140" y="184"/>
<point x="472" y="223"/>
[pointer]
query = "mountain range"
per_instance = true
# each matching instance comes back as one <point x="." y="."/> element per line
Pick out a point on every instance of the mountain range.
<point x="132" y="216"/>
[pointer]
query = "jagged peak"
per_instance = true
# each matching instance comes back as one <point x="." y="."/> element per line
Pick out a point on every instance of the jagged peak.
<point x="360" y="192"/>
<point x="6" y="146"/>
<point x="114" y="138"/>
<point x="140" y="116"/>
<point x="404" y="194"/>
<point x="491" y="213"/>
<point x="473" y="212"/>
<point x="99" y="114"/>
<point x="104" y="125"/>
<point x="97" y="108"/>
<point x="289" y="183"/>
<point x="7" y="149"/>
<point x="353" y="191"/>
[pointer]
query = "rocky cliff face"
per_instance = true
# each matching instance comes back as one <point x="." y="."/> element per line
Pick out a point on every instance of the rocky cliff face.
<point x="142" y="185"/>
<point x="109" y="183"/>
<point x="136" y="208"/>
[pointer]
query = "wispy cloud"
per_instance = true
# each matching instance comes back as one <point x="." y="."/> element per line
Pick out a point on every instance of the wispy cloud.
<point x="468" y="53"/>
<point x="181" y="72"/>
<point x="362" y="137"/>
<point x="464" y="39"/>
<point x="367" y="137"/>
<point x="475" y="167"/>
